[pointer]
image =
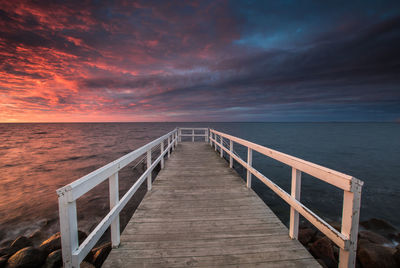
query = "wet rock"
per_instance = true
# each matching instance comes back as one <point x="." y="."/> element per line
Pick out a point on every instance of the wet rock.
<point x="396" y="255"/>
<point x="54" y="260"/>
<point x="54" y="242"/>
<point x="372" y="255"/>
<point x="28" y="257"/>
<point x="21" y="242"/>
<point x="322" y="263"/>
<point x="6" y="252"/>
<point x="3" y="262"/>
<point x="36" y="236"/>
<point x="306" y="235"/>
<point x="323" y="249"/>
<point x="100" y="254"/>
<point x="373" y="237"/>
<point x="87" y="265"/>
<point x="379" y="226"/>
<point x="6" y="243"/>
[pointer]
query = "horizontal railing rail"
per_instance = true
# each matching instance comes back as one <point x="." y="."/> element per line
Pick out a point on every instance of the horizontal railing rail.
<point x="346" y="239"/>
<point x="191" y="133"/>
<point x="73" y="253"/>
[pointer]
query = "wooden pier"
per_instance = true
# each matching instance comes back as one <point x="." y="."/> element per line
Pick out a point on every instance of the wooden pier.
<point x="198" y="212"/>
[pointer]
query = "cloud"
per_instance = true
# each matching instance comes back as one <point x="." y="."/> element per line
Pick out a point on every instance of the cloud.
<point x="200" y="60"/>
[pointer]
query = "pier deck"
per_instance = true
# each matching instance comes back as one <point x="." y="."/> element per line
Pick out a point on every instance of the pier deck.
<point x="199" y="213"/>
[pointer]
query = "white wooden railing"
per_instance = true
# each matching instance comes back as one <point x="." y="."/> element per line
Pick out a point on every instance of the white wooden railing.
<point x="73" y="253"/>
<point x="190" y="132"/>
<point x="346" y="240"/>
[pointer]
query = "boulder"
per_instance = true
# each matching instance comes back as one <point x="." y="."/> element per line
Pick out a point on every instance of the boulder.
<point x="6" y="252"/>
<point x="374" y="255"/>
<point x="3" y="262"/>
<point x="54" y="242"/>
<point x="306" y="235"/>
<point x="86" y="265"/>
<point x="100" y="254"/>
<point x="396" y="256"/>
<point x="322" y="263"/>
<point x="36" y="236"/>
<point x="54" y="260"/>
<point x="323" y="249"/>
<point x="380" y="226"/>
<point x="21" y="242"/>
<point x="28" y="257"/>
<point x="373" y="237"/>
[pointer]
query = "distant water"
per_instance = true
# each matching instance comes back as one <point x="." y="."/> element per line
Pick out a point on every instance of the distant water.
<point x="36" y="159"/>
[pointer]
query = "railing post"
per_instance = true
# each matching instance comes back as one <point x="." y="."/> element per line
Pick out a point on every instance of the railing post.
<point x="114" y="199"/>
<point x="169" y="149"/>
<point x="294" y="215"/>
<point x="206" y="135"/>
<point x="148" y="166"/>
<point x="69" y="230"/>
<point x="180" y="134"/>
<point x="249" y="162"/>
<point x="192" y="135"/>
<point x="161" y="152"/>
<point x="350" y="218"/>
<point x="215" y="142"/>
<point x="176" y="138"/>
<point x="231" y="152"/>
<point x="209" y="137"/>
<point x="222" y="144"/>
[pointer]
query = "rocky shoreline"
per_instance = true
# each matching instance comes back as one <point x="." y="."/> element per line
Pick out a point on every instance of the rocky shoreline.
<point x="378" y="245"/>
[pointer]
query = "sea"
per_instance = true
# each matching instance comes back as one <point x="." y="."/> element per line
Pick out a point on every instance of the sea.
<point x="38" y="158"/>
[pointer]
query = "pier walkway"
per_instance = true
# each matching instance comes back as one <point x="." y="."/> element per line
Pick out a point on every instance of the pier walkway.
<point x="199" y="213"/>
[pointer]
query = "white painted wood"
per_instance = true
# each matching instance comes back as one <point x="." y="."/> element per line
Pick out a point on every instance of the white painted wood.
<point x="215" y="141"/>
<point x="350" y="218"/>
<point x="176" y="139"/>
<point x="114" y="199"/>
<point x="83" y="185"/>
<point x="231" y="152"/>
<point x="68" y="229"/>
<point x="162" y="151"/>
<point x="148" y="165"/>
<point x="192" y="135"/>
<point x="169" y="149"/>
<point x="249" y="164"/>
<point x="221" y="140"/>
<point x="206" y="136"/>
<point x="294" y="215"/>
<point x="338" y="238"/>
<point x="79" y="254"/>
<point x="330" y="176"/>
<point x="180" y="135"/>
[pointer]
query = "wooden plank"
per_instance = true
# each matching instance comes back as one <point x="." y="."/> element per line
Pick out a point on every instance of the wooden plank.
<point x="200" y="213"/>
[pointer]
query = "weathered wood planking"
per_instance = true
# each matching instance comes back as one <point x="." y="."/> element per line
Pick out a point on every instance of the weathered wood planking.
<point x="199" y="213"/>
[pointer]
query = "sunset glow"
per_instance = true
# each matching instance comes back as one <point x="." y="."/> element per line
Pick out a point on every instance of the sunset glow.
<point x="199" y="61"/>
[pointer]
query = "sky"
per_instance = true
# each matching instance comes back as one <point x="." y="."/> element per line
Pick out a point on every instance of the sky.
<point x="131" y="61"/>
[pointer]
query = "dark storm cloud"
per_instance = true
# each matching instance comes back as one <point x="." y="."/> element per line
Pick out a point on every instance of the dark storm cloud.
<point x="213" y="60"/>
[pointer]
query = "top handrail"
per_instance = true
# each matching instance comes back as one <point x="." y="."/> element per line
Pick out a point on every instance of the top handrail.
<point x="77" y="188"/>
<point x="328" y="175"/>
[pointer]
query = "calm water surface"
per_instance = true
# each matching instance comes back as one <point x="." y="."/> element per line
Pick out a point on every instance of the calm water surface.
<point x="36" y="159"/>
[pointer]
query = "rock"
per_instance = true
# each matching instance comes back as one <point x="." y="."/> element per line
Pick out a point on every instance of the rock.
<point x="322" y="263"/>
<point x="323" y="249"/>
<point x="396" y="256"/>
<point x="379" y="226"/>
<point x="6" y="243"/>
<point x="21" y="242"/>
<point x="3" y="262"/>
<point x="26" y="258"/>
<point x="100" y="254"/>
<point x="306" y="235"/>
<point x="54" y="260"/>
<point x="373" y="237"/>
<point x="54" y="242"/>
<point x="7" y="252"/>
<point x="374" y="255"/>
<point x="36" y="236"/>
<point x="86" y="265"/>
